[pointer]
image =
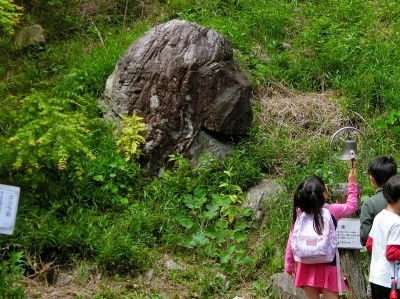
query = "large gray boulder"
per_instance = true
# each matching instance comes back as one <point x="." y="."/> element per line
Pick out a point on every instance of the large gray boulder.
<point x="182" y="79"/>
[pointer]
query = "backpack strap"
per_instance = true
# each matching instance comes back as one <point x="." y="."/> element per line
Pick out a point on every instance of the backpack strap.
<point x="338" y="273"/>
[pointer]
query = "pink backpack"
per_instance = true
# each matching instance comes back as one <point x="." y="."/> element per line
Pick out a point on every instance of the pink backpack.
<point x="310" y="248"/>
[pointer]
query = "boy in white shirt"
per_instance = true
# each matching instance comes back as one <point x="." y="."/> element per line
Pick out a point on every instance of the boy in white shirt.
<point x="384" y="242"/>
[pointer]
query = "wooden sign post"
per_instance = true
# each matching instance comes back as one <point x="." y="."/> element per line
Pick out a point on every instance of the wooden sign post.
<point x="348" y="232"/>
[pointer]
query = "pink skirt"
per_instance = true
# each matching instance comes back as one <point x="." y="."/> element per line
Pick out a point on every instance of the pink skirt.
<point x="321" y="276"/>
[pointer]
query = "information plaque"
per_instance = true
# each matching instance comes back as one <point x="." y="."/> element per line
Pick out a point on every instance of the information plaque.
<point x="348" y="233"/>
<point x="9" y="196"/>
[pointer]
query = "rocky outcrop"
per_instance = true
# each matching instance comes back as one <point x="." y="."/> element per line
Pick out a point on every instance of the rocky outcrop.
<point x="284" y="286"/>
<point x="182" y="79"/>
<point x="260" y="196"/>
<point x="29" y="36"/>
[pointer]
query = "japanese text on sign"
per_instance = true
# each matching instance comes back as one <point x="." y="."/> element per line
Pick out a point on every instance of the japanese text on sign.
<point x="9" y="196"/>
<point x="348" y="233"/>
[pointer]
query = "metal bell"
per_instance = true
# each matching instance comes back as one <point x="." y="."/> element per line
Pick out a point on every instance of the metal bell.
<point x="349" y="151"/>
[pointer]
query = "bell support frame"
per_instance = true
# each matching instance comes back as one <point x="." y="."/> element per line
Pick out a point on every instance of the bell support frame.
<point x="330" y="172"/>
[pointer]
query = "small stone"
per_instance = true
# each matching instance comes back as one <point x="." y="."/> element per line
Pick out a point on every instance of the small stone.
<point x="149" y="275"/>
<point x="171" y="265"/>
<point x="63" y="280"/>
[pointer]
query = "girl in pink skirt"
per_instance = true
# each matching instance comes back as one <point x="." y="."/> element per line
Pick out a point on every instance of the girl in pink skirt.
<point x="310" y="197"/>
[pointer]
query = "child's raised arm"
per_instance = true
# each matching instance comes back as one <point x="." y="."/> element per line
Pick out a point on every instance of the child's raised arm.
<point x="352" y="178"/>
<point x="340" y="210"/>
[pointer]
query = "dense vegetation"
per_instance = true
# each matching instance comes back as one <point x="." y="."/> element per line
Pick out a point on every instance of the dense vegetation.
<point x="81" y="200"/>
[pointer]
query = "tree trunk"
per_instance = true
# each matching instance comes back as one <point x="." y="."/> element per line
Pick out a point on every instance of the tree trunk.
<point x="350" y="266"/>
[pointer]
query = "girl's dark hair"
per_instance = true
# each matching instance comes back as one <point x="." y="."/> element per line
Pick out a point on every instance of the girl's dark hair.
<point x="309" y="198"/>
<point x="391" y="190"/>
<point x="382" y="168"/>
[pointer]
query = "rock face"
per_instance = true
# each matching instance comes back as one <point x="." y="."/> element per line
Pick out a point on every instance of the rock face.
<point x="283" y="285"/>
<point x="30" y="35"/>
<point x="260" y="196"/>
<point x="182" y="79"/>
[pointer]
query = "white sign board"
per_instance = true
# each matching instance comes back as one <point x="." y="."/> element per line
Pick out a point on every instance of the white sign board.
<point x="9" y="196"/>
<point x="348" y="233"/>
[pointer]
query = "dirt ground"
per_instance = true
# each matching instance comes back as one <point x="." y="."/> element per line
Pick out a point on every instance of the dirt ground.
<point x="158" y="283"/>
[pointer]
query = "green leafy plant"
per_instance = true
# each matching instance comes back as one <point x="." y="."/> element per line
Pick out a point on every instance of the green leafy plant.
<point x="129" y="141"/>
<point x="9" y="16"/>
<point x="112" y="184"/>
<point x="11" y="270"/>
<point x="389" y="121"/>
<point x="215" y="224"/>
<point x="260" y="289"/>
<point x="48" y="133"/>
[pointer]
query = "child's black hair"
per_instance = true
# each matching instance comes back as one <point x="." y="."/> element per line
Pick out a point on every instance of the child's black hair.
<point x="309" y="198"/>
<point x="391" y="190"/>
<point x="382" y="168"/>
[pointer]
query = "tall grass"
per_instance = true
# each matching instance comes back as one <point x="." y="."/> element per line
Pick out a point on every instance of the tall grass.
<point x="346" y="46"/>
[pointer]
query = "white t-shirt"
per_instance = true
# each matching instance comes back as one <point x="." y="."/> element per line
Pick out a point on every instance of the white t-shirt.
<point x="385" y="231"/>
